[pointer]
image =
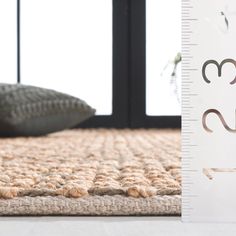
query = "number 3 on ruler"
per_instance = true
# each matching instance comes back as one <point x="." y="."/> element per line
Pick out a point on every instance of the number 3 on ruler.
<point x="219" y="67"/>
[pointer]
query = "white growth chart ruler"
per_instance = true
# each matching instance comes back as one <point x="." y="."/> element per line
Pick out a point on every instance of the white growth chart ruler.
<point x="209" y="110"/>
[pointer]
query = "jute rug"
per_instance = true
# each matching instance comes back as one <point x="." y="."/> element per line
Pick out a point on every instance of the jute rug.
<point x="92" y="172"/>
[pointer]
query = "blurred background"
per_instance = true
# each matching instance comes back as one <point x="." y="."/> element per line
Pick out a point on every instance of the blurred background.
<point x="121" y="56"/>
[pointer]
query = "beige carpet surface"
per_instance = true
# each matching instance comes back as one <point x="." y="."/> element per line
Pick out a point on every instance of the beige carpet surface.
<point x="93" y="168"/>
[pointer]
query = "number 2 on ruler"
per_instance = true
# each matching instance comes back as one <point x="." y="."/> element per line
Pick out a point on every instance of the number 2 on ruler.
<point x="219" y="66"/>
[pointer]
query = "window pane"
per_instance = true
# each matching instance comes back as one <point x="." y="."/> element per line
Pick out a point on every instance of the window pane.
<point x="8" y="41"/>
<point x="163" y="77"/>
<point x="67" y="45"/>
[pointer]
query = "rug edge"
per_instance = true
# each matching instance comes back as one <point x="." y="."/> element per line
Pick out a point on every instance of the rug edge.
<point x="91" y="206"/>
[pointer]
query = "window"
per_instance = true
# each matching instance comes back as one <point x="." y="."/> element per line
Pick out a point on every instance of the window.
<point x="163" y="47"/>
<point x="67" y="45"/>
<point x="115" y="54"/>
<point x="8" y="41"/>
<point x="154" y="101"/>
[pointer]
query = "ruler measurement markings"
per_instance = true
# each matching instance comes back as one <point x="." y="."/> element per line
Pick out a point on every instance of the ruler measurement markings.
<point x="186" y="126"/>
<point x="191" y="44"/>
<point x="185" y="177"/>
<point x="187" y="186"/>
<point x="186" y="165"/>
<point x="185" y="202"/>
<point x="188" y="147"/>
<point x="190" y="158"/>
<point x="189" y="19"/>
<point x="186" y="48"/>
<point x="186" y="99"/>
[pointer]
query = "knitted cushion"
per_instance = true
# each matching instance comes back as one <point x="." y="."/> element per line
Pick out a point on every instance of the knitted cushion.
<point x="32" y="111"/>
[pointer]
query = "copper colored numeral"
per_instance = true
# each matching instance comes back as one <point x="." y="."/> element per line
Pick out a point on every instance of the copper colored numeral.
<point x="208" y="172"/>
<point x="204" y="117"/>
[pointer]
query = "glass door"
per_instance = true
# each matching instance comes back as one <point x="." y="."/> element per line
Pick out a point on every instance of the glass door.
<point x="8" y="41"/>
<point x="66" y="45"/>
<point x="163" y="57"/>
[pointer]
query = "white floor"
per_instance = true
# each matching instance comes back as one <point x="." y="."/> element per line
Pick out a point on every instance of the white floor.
<point x="109" y="226"/>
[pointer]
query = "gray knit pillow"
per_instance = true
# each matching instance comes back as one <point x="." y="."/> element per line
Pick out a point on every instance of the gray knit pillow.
<point x="32" y="111"/>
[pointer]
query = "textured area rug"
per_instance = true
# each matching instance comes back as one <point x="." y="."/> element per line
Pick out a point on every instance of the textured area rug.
<point x="91" y="172"/>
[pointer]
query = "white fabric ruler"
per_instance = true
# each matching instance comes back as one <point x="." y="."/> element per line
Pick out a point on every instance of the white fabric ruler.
<point x="209" y="110"/>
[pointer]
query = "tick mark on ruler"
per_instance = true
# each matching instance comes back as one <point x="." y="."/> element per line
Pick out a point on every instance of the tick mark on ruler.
<point x="189" y="32"/>
<point x="191" y="196"/>
<point x="191" y="170"/>
<point x="187" y="6"/>
<point x="190" y="69"/>
<point x="189" y="19"/>
<point x="192" y="120"/>
<point x="191" y="44"/>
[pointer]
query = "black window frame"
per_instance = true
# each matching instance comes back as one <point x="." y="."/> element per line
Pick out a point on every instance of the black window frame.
<point x="129" y="71"/>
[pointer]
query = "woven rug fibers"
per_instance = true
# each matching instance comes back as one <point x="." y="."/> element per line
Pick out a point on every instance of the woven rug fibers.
<point x="91" y="171"/>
